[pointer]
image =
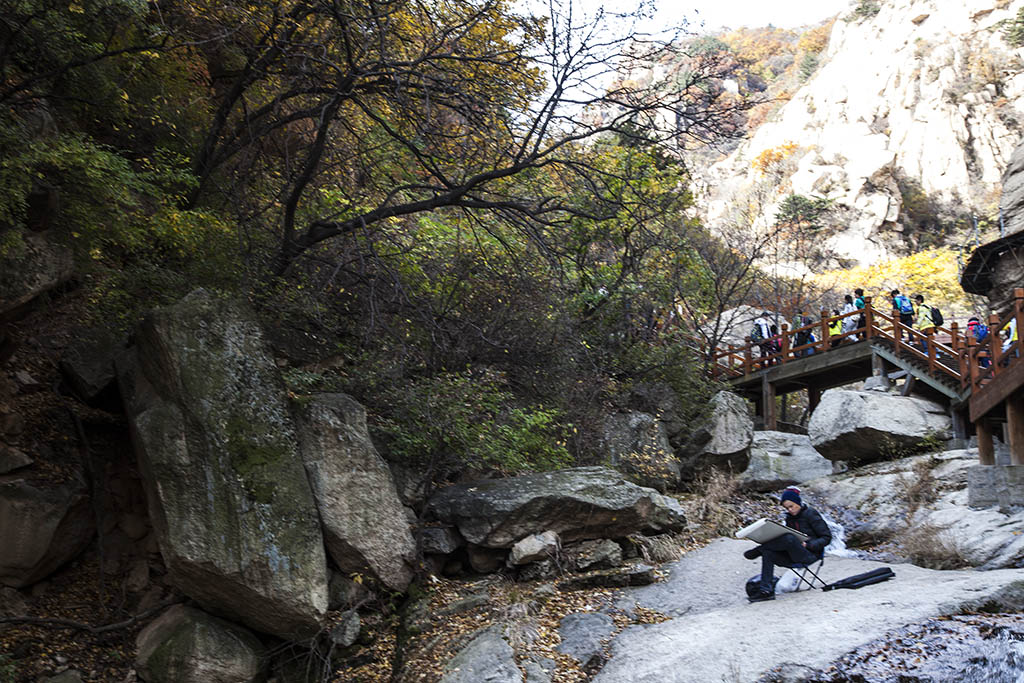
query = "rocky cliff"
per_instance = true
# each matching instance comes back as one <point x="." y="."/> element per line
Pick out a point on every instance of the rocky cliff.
<point x="919" y="102"/>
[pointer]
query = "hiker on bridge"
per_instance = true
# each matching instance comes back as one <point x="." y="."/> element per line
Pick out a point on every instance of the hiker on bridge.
<point x="761" y="335"/>
<point x="862" y="320"/>
<point x="903" y="310"/>
<point x="980" y="332"/>
<point x="835" y="328"/>
<point x="850" y="322"/>
<point x="925" y="316"/>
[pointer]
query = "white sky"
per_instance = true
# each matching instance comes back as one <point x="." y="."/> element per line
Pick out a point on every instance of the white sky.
<point x="752" y="13"/>
<point x="732" y="13"/>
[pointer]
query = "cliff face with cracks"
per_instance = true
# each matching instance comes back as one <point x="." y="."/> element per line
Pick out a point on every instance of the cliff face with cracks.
<point x="926" y="95"/>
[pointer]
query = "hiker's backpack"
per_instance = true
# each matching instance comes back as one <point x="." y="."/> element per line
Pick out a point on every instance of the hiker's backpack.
<point x="981" y="332"/>
<point x="937" y="319"/>
<point x="754" y="584"/>
<point x="755" y="334"/>
<point x="860" y="580"/>
<point x="904" y="304"/>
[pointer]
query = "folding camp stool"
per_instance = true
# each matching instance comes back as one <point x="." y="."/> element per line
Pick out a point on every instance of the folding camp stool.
<point x="808" y="574"/>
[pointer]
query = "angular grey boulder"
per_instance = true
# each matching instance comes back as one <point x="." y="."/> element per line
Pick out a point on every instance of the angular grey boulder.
<point x="41" y="527"/>
<point x="638" y="444"/>
<point x="778" y="459"/>
<point x="723" y="441"/>
<point x="227" y="492"/>
<point x="364" y="523"/>
<point x="577" y="504"/>
<point x="187" y="645"/>
<point x="867" y="426"/>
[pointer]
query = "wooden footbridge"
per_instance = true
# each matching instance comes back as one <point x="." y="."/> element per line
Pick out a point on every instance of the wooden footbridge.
<point x="981" y="383"/>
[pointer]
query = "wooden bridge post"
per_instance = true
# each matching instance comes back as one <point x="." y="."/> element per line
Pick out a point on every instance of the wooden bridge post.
<point x="986" y="449"/>
<point x="869" y="318"/>
<point x="971" y="375"/>
<point x="771" y="422"/>
<point x="748" y="357"/>
<point x="785" y="342"/>
<point x="930" y="340"/>
<point x="1015" y="427"/>
<point x="813" y="398"/>
<point x="825" y="332"/>
<point x="994" y="342"/>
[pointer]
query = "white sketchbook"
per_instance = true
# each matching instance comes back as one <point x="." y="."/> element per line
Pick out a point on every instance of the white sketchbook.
<point x="764" y="530"/>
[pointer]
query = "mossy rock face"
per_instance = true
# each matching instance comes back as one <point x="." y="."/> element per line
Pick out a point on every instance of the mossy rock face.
<point x="186" y="645"/>
<point x="364" y="523"/>
<point x="228" y="494"/>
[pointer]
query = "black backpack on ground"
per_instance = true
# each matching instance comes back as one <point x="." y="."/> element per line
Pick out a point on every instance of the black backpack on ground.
<point x="754" y="585"/>
<point x="860" y="580"/>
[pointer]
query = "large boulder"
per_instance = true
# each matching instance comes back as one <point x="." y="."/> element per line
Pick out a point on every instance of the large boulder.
<point x="577" y="504"/>
<point x="187" y="645"/>
<point x="875" y="504"/>
<point x="363" y="520"/>
<point x="723" y="440"/>
<point x="42" y="526"/>
<point x="228" y="495"/>
<point x="866" y="426"/>
<point x="637" y="444"/>
<point x="778" y="459"/>
<point x="33" y="267"/>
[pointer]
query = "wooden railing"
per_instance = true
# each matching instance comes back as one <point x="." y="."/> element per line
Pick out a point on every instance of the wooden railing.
<point x="944" y="350"/>
<point x="981" y="363"/>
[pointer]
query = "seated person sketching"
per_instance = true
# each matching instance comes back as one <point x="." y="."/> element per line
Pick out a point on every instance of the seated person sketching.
<point x="787" y="550"/>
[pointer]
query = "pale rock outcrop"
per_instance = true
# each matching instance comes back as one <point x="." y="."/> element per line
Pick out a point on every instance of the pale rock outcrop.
<point x="42" y="526"/>
<point x="878" y="493"/>
<point x="935" y="101"/>
<point x="722" y="441"/>
<point x="637" y="444"/>
<point x="187" y="645"/>
<point x="228" y="496"/>
<point x="363" y="520"/>
<point x="577" y="504"/>
<point x="864" y="426"/>
<point x="534" y="547"/>
<point x="778" y="459"/>
<point x="34" y="267"/>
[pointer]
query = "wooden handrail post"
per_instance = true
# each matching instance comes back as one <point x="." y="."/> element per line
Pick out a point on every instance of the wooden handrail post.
<point x="785" y="342"/>
<point x="825" y="332"/>
<point x="869" y="318"/>
<point x="930" y="341"/>
<point x="972" y="361"/>
<point x="994" y="342"/>
<point x="748" y="356"/>
<point x="959" y="348"/>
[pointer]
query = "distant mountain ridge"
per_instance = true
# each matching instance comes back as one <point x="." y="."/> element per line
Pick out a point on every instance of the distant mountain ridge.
<point x="906" y="125"/>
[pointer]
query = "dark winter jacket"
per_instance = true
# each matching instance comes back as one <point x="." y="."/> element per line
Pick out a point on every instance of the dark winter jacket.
<point x="809" y="521"/>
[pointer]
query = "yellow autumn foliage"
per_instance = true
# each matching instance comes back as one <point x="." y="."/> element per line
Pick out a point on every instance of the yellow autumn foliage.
<point x="770" y="158"/>
<point x="933" y="273"/>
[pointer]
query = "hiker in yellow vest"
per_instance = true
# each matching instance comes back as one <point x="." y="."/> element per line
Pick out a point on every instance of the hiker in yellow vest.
<point x="1009" y="331"/>
<point x="923" y="321"/>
